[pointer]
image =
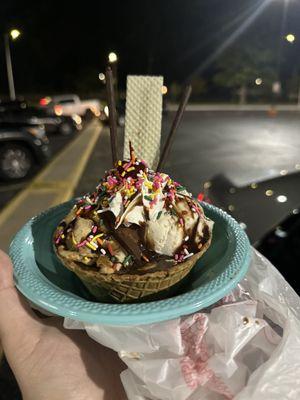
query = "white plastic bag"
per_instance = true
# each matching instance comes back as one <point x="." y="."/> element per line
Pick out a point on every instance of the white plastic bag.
<point x="247" y="346"/>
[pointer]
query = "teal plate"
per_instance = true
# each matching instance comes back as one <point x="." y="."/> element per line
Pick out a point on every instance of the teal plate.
<point x="41" y="277"/>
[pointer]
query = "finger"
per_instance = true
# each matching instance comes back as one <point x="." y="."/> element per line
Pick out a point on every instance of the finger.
<point x="6" y="277"/>
<point x="18" y="324"/>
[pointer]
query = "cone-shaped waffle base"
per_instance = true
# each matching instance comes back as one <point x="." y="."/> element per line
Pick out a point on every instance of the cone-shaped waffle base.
<point x="133" y="287"/>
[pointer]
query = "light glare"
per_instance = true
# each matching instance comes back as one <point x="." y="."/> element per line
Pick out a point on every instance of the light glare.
<point x="164" y="89"/>
<point x="112" y="57"/>
<point x="281" y="199"/>
<point x="290" y="38"/>
<point x="15" y="33"/>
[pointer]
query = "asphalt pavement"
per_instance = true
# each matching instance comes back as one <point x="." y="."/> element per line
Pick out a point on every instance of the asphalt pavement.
<point x="245" y="146"/>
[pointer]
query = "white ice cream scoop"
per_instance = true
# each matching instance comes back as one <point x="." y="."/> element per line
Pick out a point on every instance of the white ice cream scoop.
<point x="164" y="235"/>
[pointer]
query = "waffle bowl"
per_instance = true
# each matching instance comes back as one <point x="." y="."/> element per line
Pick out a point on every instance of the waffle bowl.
<point x="150" y="283"/>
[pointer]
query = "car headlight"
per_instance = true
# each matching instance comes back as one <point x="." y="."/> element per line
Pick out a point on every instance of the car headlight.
<point x="95" y="111"/>
<point x="77" y="119"/>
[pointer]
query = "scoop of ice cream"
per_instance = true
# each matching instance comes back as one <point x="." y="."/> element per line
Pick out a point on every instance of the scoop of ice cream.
<point x="164" y="235"/>
<point x="182" y="223"/>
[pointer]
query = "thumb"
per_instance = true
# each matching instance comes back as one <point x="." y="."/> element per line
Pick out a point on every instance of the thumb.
<point x="18" y="324"/>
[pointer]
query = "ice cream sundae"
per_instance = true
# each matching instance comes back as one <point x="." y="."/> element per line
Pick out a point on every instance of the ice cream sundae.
<point x="138" y="233"/>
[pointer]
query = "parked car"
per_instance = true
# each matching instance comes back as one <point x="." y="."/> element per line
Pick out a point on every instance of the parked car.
<point x="22" y="148"/>
<point x="12" y="105"/>
<point x="19" y="111"/>
<point x="269" y="211"/>
<point x="70" y="104"/>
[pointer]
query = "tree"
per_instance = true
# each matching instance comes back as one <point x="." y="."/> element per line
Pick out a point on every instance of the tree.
<point x="293" y="86"/>
<point x="174" y="91"/>
<point x="199" y="87"/>
<point x="238" y="68"/>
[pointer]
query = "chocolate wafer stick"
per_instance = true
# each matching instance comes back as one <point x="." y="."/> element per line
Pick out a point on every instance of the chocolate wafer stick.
<point x="112" y="114"/>
<point x="178" y="117"/>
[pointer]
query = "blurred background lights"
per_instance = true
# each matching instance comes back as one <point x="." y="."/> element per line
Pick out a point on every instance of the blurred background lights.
<point x="164" y="89"/>
<point x="112" y="57"/>
<point x="290" y="38"/>
<point x="283" y="172"/>
<point x="15" y="33"/>
<point x="280" y="232"/>
<point x="281" y="199"/>
<point x="77" y="119"/>
<point x="207" y="184"/>
<point x="101" y="76"/>
<point x="258" y="81"/>
<point x="269" y="192"/>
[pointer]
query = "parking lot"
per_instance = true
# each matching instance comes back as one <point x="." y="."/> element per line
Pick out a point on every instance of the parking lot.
<point x="8" y="189"/>
<point x="244" y="146"/>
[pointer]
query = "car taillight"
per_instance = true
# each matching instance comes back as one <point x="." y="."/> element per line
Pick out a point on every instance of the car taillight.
<point x="58" y="110"/>
<point x="45" y="101"/>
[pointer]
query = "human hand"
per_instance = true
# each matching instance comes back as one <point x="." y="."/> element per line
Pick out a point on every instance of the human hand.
<point x="49" y="362"/>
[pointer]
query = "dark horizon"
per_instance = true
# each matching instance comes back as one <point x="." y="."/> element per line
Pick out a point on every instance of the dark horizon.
<point x="63" y="48"/>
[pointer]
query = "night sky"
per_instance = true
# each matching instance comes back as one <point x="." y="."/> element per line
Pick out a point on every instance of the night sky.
<point x="64" y="46"/>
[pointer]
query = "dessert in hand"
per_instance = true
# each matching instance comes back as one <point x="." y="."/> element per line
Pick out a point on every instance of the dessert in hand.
<point x="138" y="234"/>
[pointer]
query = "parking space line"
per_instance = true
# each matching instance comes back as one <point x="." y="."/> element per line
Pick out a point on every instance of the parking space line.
<point x="77" y="172"/>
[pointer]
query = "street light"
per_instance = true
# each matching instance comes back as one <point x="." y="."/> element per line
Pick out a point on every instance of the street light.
<point x="112" y="57"/>
<point x="14" y="34"/>
<point x="101" y="76"/>
<point x="258" y="81"/>
<point x="290" y="38"/>
<point x="113" y="61"/>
